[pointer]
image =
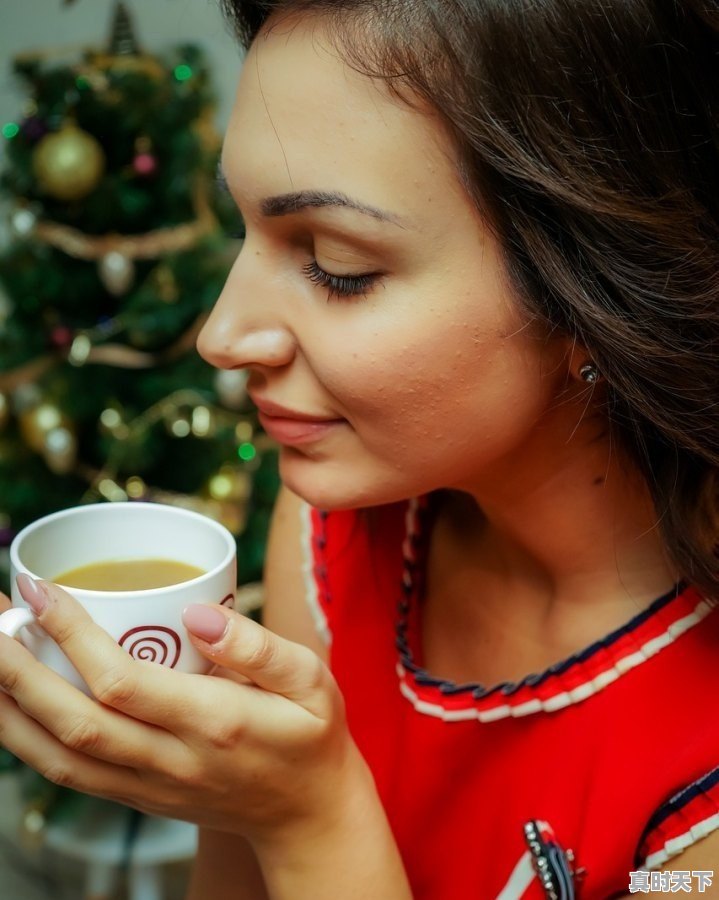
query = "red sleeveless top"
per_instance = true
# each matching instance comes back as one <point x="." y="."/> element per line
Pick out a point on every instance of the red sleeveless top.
<point x="614" y="751"/>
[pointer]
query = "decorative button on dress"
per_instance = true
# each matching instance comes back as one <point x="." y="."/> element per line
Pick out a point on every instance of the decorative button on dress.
<point x="614" y="752"/>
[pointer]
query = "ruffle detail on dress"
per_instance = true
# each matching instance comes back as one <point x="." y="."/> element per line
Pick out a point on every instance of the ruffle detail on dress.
<point x="314" y="569"/>
<point x="686" y="818"/>
<point x="567" y="682"/>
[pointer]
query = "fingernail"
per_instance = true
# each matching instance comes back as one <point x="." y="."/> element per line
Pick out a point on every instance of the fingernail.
<point x="204" y="621"/>
<point x="33" y="592"/>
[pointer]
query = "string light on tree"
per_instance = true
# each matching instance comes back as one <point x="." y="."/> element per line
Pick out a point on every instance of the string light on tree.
<point x="135" y="488"/>
<point x="112" y="424"/>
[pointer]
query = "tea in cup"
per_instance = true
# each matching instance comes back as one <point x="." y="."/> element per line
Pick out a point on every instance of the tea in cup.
<point x="134" y="567"/>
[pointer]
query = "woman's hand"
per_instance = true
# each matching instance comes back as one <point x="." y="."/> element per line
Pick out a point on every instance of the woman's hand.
<point x="259" y="748"/>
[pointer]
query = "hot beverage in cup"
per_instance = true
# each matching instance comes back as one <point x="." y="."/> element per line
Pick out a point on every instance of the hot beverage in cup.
<point x="134" y="567"/>
<point x="128" y="574"/>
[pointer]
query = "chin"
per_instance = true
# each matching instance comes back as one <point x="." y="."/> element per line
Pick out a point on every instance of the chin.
<point x="329" y="486"/>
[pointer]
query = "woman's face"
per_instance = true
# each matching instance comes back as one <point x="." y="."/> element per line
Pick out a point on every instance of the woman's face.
<point x="434" y="376"/>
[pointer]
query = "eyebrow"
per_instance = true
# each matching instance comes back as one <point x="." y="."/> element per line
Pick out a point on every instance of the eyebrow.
<point x="296" y="201"/>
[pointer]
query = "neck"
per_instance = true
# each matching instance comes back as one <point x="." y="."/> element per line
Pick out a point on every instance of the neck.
<point x="568" y="520"/>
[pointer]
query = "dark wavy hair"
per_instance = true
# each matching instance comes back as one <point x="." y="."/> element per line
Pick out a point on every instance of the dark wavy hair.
<point x="588" y="136"/>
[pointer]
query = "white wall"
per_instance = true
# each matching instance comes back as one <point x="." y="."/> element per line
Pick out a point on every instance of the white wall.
<point x="49" y="24"/>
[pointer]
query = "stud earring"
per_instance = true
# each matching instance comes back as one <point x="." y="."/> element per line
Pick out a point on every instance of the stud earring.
<point x="589" y="373"/>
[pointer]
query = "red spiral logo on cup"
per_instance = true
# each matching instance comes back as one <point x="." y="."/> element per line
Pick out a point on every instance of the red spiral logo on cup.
<point x="152" y="643"/>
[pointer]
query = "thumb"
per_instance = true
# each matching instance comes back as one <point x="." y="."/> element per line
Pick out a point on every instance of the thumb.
<point x="271" y="662"/>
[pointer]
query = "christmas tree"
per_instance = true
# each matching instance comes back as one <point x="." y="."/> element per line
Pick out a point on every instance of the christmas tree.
<point x="118" y="249"/>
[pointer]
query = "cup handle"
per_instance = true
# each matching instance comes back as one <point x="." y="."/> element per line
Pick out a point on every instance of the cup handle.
<point x="14" y="620"/>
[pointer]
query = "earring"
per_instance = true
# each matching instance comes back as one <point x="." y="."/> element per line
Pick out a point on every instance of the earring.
<point x="589" y="373"/>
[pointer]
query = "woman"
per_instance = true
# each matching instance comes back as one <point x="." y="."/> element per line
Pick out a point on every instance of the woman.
<point x="477" y="303"/>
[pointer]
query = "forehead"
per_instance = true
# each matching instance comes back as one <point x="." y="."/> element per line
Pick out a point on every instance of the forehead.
<point x="303" y="119"/>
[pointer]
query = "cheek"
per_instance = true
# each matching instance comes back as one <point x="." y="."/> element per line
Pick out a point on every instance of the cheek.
<point x="392" y="381"/>
<point x="458" y="393"/>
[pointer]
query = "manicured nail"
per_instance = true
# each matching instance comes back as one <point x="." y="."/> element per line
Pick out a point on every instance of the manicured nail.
<point x="204" y="621"/>
<point x="33" y="593"/>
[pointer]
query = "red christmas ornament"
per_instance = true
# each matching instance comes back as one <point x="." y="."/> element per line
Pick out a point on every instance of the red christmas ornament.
<point x="61" y="336"/>
<point x="144" y="164"/>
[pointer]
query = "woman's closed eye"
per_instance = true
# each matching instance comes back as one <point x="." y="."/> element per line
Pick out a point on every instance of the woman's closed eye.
<point x="353" y="285"/>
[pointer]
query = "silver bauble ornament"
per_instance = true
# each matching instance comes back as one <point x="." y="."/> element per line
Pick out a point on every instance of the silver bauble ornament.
<point x="231" y="387"/>
<point x="117" y="272"/>
<point x="23" y="222"/>
<point x="60" y="450"/>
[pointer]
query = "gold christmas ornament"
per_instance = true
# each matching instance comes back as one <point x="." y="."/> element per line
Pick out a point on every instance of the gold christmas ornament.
<point x="37" y="422"/>
<point x="117" y="272"/>
<point x="69" y="163"/>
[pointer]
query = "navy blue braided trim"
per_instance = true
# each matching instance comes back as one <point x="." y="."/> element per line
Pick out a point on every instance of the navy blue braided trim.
<point x="478" y="691"/>
<point x="674" y="804"/>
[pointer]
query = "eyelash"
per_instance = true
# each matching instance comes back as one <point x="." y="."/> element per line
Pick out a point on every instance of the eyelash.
<point x="339" y="285"/>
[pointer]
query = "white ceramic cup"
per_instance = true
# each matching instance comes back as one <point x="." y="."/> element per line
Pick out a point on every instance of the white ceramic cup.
<point x="147" y="624"/>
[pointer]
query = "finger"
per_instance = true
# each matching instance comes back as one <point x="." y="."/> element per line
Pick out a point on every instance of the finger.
<point x="77" y="721"/>
<point x="5" y="603"/>
<point x="31" y="743"/>
<point x="270" y="661"/>
<point x="143" y="690"/>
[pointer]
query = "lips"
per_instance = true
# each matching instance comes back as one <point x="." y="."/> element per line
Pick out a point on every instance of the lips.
<point x="287" y="426"/>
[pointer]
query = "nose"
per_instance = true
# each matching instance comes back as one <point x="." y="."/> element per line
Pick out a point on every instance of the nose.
<point x="241" y="333"/>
